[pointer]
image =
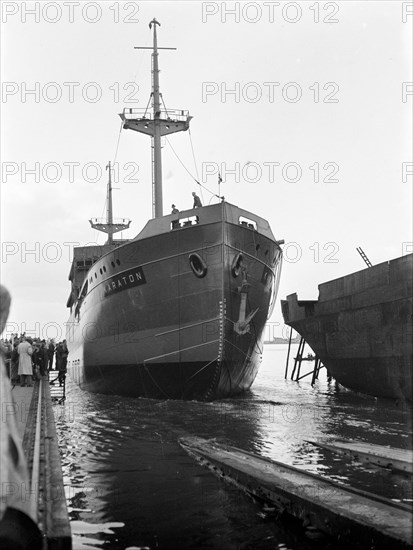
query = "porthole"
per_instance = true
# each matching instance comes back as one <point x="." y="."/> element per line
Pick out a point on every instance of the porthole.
<point x="118" y="262"/>
<point x="100" y="269"/>
<point x="198" y="265"/>
<point x="112" y="264"/>
<point x="96" y="276"/>
<point x="236" y="265"/>
<point x="104" y="269"/>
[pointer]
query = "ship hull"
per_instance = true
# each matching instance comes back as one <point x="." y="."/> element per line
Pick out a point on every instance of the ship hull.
<point x="361" y="328"/>
<point x="171" y="319"/>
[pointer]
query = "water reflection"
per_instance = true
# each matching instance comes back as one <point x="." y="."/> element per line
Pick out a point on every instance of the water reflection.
<point x="129" y="484"/>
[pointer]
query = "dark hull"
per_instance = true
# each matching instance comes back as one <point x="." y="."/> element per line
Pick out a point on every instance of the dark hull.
<point x="174" y="334"/>
<point x="361" y="328"/>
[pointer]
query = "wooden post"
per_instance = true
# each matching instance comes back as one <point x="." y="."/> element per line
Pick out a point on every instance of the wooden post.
<point x="288" y="354"/>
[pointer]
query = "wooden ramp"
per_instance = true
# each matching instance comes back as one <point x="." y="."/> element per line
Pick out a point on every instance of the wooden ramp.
<point x="399" y="460"/>
<point x="363" y="519"/>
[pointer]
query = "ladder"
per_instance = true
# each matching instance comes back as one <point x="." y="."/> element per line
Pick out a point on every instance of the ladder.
<point x="295" y="374"/>
<point x="363" y="255"/>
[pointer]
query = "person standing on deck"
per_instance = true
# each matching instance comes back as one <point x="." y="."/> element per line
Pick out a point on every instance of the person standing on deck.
<point x="25" y="371"/>
<point x="174" y="210"/>
<point x="197" y="201"/>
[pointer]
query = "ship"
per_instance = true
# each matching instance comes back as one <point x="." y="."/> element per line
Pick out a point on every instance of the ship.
<point x="361" y="328"/>
<point x="179" y="311"/>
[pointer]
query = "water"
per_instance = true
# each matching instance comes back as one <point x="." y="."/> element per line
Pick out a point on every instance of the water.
<point x="130" y="485"/>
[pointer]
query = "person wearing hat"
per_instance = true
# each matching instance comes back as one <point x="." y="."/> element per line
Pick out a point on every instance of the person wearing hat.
<point x="174" y="209"/>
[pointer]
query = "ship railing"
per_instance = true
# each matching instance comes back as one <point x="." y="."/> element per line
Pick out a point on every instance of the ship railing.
<point x="115" y="221"/>
<point x="173" y="115"/>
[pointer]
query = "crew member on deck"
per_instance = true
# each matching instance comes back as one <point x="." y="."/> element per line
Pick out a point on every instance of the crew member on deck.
<point x="174" y="209"/>
<point x="197" y="201"/>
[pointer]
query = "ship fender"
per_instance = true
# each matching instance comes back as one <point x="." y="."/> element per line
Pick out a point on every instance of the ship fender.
<point x="198" y="265"/>
<point x="236" y="265"/>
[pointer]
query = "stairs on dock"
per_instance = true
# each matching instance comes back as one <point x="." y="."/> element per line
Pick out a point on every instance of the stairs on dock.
<point x="57" y="387"/>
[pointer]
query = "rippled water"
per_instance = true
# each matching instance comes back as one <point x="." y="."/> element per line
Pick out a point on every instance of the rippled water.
<point x="130" y="485"/>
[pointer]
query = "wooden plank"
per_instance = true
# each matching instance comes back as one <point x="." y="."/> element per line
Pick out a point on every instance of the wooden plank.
<point x="400" y="460"/>
<point x="346" y="513"/>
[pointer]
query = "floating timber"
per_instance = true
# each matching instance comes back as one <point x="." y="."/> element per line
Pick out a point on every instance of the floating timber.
<point x="362" y="519"/>
<point x="400" y="460"/>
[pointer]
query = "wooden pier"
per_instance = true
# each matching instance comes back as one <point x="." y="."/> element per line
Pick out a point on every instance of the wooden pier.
<point x="353" y="517"/>
<point x="36" y="426"/>
<point x="399" y="460"/>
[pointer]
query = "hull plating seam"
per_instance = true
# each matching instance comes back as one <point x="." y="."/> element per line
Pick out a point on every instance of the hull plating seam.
<point x="180" y="350"/>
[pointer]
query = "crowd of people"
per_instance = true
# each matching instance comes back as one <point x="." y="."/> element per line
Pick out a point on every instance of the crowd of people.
<point x="30" y="358"/>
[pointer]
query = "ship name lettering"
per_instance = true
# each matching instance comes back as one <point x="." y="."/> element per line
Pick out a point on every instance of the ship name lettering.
<point x="122" y="282"/>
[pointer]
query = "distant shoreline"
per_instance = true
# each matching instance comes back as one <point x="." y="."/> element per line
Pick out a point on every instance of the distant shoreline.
<point x="295" y="340"/>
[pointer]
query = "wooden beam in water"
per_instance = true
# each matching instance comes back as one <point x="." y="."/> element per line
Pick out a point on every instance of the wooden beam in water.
<point x="400" y="460"/>
<point x="363" y="519"/>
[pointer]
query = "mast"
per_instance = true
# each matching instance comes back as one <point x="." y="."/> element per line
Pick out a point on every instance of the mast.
<point x="156" y="139"/>
<point x="109" y="212"/>
<point x="159" y="123"/>
<point x="109" y="226"/>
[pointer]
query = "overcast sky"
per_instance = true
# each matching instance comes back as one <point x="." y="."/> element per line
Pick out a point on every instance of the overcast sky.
<point x="301" y="105"/>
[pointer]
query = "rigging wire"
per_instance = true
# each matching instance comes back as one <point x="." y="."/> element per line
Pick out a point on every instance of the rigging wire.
<point x="195" y="163"/>
<point x="196" y="181"/>
<point x="117" y="144"/>
<point x="192" y="148"/>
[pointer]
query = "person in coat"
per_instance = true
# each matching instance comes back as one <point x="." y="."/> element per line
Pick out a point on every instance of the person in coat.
<point x="50" y="352"/>
<point x="25" y="371"/>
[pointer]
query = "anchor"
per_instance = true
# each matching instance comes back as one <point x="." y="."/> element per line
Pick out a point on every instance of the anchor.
<point x="242" y="326"/>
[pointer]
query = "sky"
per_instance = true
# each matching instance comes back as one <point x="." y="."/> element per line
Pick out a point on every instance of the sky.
<point x="305" y="108"/>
